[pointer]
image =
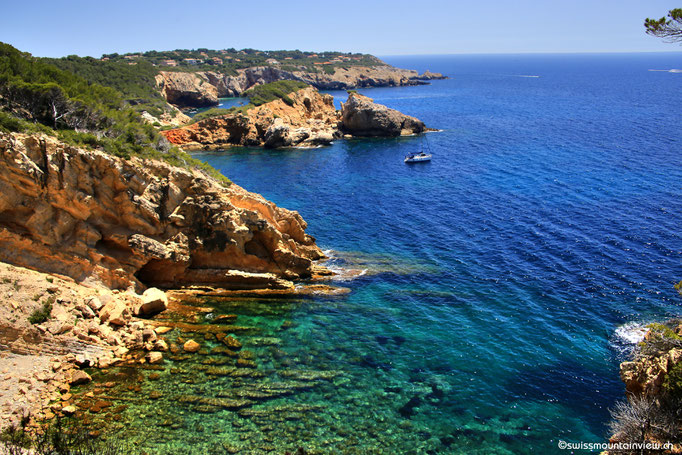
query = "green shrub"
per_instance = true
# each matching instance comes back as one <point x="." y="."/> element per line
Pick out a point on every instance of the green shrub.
<point x="12" y="124"/>
<point x="219" y="112"/>
<point x="43" y="313"/>
<point x="672" y="384"/>
<point x="89" y="114"/>
<point x="265" y="93"/>
<point x="661" y="338"/>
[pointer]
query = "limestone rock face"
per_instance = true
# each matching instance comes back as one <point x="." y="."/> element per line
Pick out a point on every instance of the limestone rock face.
<point x="138" y="223"/>
<point x="187" y="89"/>
<point x="360" y="76"/>
<point x="361" y="116"/>
<point x="311" y="120"/>
<point x="646" y="375"/>
<point x="203" y="88"/>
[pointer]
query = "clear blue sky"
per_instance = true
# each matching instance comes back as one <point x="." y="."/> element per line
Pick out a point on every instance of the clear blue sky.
<point x="53" y="28"/>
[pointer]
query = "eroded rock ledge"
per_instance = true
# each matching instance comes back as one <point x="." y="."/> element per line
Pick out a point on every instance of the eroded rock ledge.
<point x="134" y="223"/>
<point x="311" y="120"/>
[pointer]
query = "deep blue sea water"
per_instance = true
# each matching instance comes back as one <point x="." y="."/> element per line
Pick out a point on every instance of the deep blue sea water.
<point x="499" y="276"/>
<point x="549" y="217"/>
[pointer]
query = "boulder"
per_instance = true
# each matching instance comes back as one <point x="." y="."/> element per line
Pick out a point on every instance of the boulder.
<point x="154" y="357"/>
<point x="232" y="343"/>
<point x="191" y="346"/>
<point x="79" y="377"/>
<point x="115" y="313"/>
<point x="154" y="301"/>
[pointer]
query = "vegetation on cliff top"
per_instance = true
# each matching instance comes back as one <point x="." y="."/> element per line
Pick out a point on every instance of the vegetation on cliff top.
<point x="261" y="94"/>
<point x="37" y="96"/>
<point x="228" y="61"/>
<point x="258" y="96"/>
<point x="136" y="83"/>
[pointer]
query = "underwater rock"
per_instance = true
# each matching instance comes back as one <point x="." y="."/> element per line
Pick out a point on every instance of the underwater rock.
<point x="309" y="375"/>
<point x="191" y="346"/>
<point x="224" y="319"/>
<point x="223" y="350"/>
<point x="407" y="410"/>
<point x="244" y="363"/>
<point x="232" y="343"/>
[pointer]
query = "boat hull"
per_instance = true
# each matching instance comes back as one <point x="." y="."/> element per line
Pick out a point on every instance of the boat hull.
<point x="418" y="159"/>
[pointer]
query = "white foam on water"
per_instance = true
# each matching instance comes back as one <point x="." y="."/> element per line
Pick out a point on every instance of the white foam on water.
<point x="631" y="332"/>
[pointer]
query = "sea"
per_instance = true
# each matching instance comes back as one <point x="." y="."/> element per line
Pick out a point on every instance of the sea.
<point x="493" y="290"/>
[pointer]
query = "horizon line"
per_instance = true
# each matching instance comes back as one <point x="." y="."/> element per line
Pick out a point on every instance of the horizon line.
<point x="527" y="53"/>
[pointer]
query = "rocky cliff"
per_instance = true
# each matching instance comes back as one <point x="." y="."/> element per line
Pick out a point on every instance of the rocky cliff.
<point x="361" y="116"/>
<point x="203" y="88"/>
<point x="653" y="382"/>
<point x="134" y="223"/>
<point x="310" y="120"/>
<point x="659" y="352"/>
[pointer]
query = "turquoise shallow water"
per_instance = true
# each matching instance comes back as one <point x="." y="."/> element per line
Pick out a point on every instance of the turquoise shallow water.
<point x="497" y="275"/>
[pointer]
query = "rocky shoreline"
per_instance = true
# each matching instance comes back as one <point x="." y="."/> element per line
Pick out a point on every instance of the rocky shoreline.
<point x="309" y="120"/>
<point x="86" y="326"/>
<point x="653" y="390"/>
<point x="86" y="238"/>
<point x="204" y="88"/>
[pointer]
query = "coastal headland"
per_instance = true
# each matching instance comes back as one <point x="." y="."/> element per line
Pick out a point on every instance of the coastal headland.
<point x="101" y="211"/>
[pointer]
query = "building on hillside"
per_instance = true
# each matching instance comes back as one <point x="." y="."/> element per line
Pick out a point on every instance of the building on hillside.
<point x="272" y="61"/>
<point x="168" y="62"/>
<point x="191" y="61"/>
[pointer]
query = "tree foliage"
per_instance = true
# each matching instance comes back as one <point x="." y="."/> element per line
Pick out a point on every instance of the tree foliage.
<point x="79" y="111"/>
<point x="669" y="28"/>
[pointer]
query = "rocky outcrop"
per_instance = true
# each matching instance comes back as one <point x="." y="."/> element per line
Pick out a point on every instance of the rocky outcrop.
<point x="429" y="76"/>
<point x="187" y="89"/>
<point x="136" y="223"/>
<point x="203" y="88"/>
<point x="172" y="117"/>
<point x="310" y="120"/>
<point x="660" y="351"/>
<point x="360" y="76"/>
<point x="361" y="116"/>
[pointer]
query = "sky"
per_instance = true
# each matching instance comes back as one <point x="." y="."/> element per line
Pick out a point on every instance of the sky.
<point x="397" y="27"/>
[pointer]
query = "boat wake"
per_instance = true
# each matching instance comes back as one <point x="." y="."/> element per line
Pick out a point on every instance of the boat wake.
<point x="673" y="70"/>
